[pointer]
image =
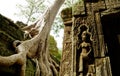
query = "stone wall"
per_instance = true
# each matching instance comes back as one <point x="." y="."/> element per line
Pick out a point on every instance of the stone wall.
<point x="9" y="32"/>
<point x="93" y="15"/>
<point x="67" y="44"/>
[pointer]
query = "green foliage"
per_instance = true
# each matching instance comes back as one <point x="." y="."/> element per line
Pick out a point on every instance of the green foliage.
<point x="53" y="49"/>
<point x="58" y="23"/>
<point x="68" y="3"/>
<point x="34" y="8"/>
<point x="31" y="10"/>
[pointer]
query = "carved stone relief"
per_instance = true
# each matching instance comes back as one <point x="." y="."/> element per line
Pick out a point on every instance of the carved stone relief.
<point x="81" y="29"/>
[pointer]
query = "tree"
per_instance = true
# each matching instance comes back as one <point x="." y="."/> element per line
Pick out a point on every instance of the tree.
<point x="58" y="23"/>
<point x="67" y="3"/>
<point x="31" y="10"/>
<point x="37" y="46"/>
<point x="34" y="8"/>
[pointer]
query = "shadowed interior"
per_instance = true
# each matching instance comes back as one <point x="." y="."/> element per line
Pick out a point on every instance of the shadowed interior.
<point x="111" y="31"/>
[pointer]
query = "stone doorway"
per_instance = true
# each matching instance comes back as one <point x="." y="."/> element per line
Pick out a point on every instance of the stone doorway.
<point x="111" y="31"/>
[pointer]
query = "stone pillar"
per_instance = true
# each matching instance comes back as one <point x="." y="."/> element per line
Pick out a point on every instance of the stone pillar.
<point x="85" y="16"/>
<point x="66" y="62"/>
<point x="91" y="17"/>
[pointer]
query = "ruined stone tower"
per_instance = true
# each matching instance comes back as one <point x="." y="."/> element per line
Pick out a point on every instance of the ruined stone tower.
<point x="91" y="42"/>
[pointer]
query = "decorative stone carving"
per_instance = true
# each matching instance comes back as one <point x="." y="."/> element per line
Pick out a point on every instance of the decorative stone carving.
<point x="90" y="17"/>
<point x="79" y="7"/>
<point x="85" y="49"/>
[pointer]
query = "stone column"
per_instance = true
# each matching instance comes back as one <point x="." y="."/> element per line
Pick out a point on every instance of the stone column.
<point x="84" y="14"/>
<point x="66" y="61"/>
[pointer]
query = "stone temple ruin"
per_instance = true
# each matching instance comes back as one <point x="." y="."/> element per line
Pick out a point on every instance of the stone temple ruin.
<point x="91" y="42"/>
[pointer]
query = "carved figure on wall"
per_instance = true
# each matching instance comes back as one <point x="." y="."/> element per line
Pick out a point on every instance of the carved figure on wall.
<point x="85" y="47"/>
<point x="91" y="70"/>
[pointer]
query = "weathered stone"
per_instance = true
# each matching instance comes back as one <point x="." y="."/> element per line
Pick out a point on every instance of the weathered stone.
<point x="78" y="7"/>
<point x="9" y="32"/>
<point x="67" y="45"/>
<point x="103" y="67"/>
<point x="102" y="19"/>
<point x="20" y="24"/>
<point x="66" y="15"/>
<point x="10" y="28"/>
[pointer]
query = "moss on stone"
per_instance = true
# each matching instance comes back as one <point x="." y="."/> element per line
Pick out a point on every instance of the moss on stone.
<point x="10" y="28"/>
<point x="10" y="71"/>
<point x="30" y="70"/>
<point x="6" y="47"/>
<point x="66" y="13"/>
<point x="8" y="33"/>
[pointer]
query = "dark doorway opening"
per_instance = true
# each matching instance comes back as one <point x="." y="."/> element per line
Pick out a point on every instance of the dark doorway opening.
<point x="111" y="31"/>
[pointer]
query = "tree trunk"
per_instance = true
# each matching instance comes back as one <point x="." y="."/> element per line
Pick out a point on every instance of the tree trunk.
<point x="37" y="47"/>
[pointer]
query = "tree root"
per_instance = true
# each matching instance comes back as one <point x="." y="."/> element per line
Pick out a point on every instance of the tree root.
<point x="19" y="58"/>
<point x="37" y="46"/>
